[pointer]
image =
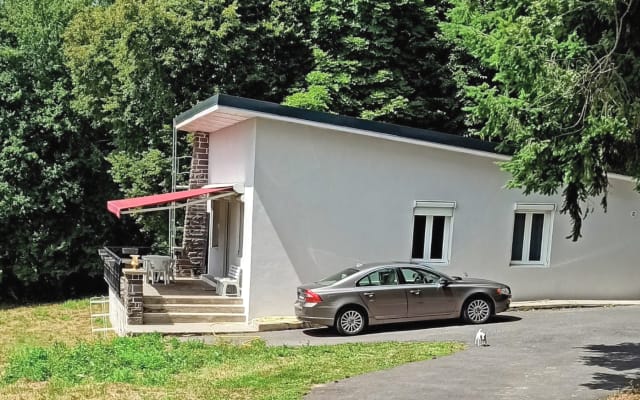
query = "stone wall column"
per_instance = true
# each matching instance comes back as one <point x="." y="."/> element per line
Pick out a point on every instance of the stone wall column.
<point x="194" y="237"/>
<point x="131" y="289"/>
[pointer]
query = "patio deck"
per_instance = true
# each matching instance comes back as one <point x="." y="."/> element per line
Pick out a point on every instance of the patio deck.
<point x="188" y="287"/>
<point x="190" y="306"/>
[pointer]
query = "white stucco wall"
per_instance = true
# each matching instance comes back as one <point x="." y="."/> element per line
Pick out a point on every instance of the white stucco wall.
<point x="117" y="314"/>
<point x="231" y="160"/>
<point x="231" y="154"/>
<point x="325" y="199"/>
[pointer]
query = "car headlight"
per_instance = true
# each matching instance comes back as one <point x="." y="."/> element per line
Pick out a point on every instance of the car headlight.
<point x="504" y="291"/>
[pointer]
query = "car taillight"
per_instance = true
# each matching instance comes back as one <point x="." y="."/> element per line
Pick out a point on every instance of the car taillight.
<point x="311" y="297"/>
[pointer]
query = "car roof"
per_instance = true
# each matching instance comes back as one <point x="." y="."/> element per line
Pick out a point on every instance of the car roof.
<point x="373" y="265"/>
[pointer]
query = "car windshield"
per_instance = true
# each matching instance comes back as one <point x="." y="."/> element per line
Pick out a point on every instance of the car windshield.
<point x="337" y="277"/>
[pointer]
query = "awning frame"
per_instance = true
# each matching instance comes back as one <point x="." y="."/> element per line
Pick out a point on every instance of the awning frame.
<point x="174" y="205"/>
<point x="168" y="201"/>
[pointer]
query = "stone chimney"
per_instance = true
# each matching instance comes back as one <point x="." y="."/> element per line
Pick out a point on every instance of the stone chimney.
<point x="195" y="234"/>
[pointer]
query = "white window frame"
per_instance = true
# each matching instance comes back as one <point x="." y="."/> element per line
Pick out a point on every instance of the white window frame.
<point x="431" y="209"/>
<point x="528" y="209"/>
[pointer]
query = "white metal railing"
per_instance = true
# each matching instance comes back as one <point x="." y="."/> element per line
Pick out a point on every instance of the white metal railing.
<point x="99" y="311"/>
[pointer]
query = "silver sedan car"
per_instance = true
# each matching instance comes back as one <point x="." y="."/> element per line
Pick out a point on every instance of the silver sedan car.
<point x="372" y="294"/>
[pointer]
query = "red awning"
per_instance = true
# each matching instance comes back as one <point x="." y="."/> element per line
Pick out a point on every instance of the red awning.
<point x="117" y="206"/>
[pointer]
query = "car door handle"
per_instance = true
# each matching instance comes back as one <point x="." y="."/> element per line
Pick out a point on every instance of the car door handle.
<point x="369" y="294"/>
<point x="415" y="291"/>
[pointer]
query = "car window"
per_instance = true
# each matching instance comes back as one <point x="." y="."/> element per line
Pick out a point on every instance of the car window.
<point x="381" y="277"/>
<point x="418" y="276"/>
<point x="338" y="277"/>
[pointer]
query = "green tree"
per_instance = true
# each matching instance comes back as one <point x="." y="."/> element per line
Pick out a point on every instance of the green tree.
<point x="136" y="64"/>
<point x="381" y="60"/>
<point x="563" y="93"/>
<point x="53" y="185"/>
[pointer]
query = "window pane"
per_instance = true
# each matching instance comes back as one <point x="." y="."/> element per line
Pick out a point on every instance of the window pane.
<point x="437" y="237"/>
<point x="535" y="248"/>
<point x="428" y="277"/>
<point x="518" y="237"/>
<point x="419" y="222"/>
<point x="388" y="277"/>
<point x="366" y="281"/>
<point x="416" y="276"/>
<point x="339" y="276"/>
<point x="385" y="276"/>
<point x="411" y="276"/>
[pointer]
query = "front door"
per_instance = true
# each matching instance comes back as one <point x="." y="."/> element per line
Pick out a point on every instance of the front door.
<point x="425" y="297"/>
<point x="226" y="239"/>
<point x="382" y="294"/>
<point x="218" y="261"/>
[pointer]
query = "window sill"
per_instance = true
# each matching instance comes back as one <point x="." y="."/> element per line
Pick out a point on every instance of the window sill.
<point x="527" y="265"/>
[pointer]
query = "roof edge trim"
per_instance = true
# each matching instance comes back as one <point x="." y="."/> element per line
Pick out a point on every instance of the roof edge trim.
<point x="268" y="109"/>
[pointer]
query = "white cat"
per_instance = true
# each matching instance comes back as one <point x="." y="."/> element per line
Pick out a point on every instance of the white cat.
<point x="481" y="338"/>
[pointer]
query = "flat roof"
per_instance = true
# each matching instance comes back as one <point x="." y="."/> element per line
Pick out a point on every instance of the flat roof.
<point x="222" y="110"/>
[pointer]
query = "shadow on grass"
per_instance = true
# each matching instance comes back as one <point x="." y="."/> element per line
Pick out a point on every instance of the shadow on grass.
<point x="69" y="304"/>
<point x="24" y="305"/>
<point x="408" y="326"/>
<point x="621" y="361"/>
<point x="9" y="306"/>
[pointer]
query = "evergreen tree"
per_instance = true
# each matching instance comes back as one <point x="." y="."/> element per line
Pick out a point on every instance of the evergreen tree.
<point x="53" y="181"/>
<point x="563" y="95"/>
<point x="136" y="64"/>
<point x="381" y="60"/>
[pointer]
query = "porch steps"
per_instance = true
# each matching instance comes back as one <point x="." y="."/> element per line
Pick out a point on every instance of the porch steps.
<point x="183" y="317"/>
<point x="178" y="299"/>
<point x="180" y="309"/>
<point x="193" y="308"/>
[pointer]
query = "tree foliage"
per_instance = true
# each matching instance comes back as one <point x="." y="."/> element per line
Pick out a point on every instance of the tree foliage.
<point x="564" y="92"/>
<point x="137" y="64"/>
<point x="53" y="181"/>
<point x="88" y="90"/>
<point x="380" y="60"/>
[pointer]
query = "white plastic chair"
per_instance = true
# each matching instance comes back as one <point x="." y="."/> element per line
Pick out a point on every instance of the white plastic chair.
<point x="231" y="280"/>
<point x="157" y="266"/>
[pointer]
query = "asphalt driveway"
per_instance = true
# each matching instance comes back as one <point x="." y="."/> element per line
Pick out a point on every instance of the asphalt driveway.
<point x="546" y="354"/>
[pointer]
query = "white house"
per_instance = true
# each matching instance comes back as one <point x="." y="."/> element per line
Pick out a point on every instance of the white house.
<point x="317" y="192"/>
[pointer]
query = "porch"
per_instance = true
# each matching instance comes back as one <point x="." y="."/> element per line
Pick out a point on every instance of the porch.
<point x="191" y="287"/>
<point x="184" y="305"/>
<point x="188" y="300"/>
<point x="177" y="308"/>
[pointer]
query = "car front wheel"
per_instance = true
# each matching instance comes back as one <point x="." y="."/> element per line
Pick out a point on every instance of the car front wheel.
<point x="350" y="322"/>
<point x="477" y="311"/>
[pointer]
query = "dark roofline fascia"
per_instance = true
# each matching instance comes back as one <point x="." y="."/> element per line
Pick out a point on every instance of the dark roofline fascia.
<point x="266" y="107"/>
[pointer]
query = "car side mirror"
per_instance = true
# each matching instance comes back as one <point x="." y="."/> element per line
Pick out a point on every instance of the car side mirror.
<point x="442" y="282"/>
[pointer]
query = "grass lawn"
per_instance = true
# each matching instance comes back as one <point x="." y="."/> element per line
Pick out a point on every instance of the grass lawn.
<point x="629" y="395"/>
<point x="47" y="352"/>
<point x="45" y="324"/>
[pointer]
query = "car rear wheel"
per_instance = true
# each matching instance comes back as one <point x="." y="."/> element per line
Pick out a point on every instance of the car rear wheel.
<point x="477" y="311"/>
<point x="350" y="321"/>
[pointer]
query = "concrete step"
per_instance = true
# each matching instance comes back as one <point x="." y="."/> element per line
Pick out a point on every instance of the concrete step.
<point x="176" y="299"/>
<point x="175" y="317"/>
<point x="179" y="329"/>
<point x="194" y="308"/>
